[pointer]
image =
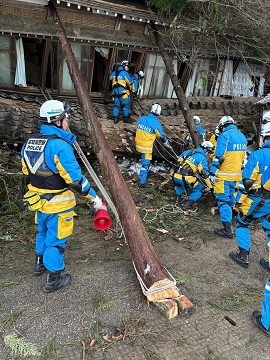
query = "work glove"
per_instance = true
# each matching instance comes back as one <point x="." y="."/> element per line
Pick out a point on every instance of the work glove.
<point x="167" y="144"/>
<point x="96" y="204"/>
<point x="212" y="179"/>
<point x="134" y="95"/>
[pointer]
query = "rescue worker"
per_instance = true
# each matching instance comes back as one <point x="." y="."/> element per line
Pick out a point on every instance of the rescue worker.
<point x="147" y="131"/>
<point x="53" y="174"/>
<point x="200" y="129"/>
<point x="139" y="75"/>
<point x="226" y="170"/>
<point x="213" y="139"/>
<point x="122" y="87"/>
<point x="265" y="120"/>
<point x="253" y="199"/>
<point x="191" y="163"/>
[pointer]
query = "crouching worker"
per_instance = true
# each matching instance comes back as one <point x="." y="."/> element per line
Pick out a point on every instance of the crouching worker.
<point x="190" y="163"/>
<point x="52" y="174"/>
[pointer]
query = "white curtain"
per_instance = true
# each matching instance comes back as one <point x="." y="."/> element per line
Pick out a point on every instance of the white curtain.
<point x="223" y="84"/>
<point x="243" y="84"/>
<point x="156" y="78"/>
<point x="171" y="93"/>
<point x="197" y="83"/>
<point x="20" y="77"/>
<point x="67" y="83"/>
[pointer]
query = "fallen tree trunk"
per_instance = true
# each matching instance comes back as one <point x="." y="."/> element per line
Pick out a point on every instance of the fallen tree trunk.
<point x="176" y="85"/>
<point x="154" y="276"/>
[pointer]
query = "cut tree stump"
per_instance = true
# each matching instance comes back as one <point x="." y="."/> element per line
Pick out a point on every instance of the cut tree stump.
<point x="185" y="306"/>
<point x="168" y="307"/>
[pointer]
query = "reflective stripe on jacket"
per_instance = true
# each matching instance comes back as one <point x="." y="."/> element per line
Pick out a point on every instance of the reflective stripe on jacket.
<point x="148" y="129"/>
<point x="231" y="144"/>
<point x="122" y="82"/>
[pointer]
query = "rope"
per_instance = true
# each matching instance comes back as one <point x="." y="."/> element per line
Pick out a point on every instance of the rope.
<point x="146" y="291"/>
<point x="169" y="208"/>
<point x="161" y="117"/>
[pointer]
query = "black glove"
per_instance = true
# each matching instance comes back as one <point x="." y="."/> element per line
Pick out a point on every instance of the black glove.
<point x="134" y="95"/>
<point x="92" y="211"/>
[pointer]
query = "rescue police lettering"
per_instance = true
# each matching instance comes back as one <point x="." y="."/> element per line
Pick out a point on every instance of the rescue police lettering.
<point x="36" y="145"/>
<point x="191" y="159"/>
<point x="144" y="128"/>
<point x="239" y="147"/>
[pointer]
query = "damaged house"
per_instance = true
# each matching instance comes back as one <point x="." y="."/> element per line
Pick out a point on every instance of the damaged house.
<point x="102" y="34"/>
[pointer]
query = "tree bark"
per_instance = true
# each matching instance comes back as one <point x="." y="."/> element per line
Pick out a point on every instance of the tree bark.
<point x="144" y="256"/>
<point x="177" y="87"/>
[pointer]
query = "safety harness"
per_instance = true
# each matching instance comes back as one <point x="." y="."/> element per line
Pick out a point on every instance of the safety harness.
<point x="185" y="169"/>
<point x="43" y="180"/>
<point x="117" y="85"/>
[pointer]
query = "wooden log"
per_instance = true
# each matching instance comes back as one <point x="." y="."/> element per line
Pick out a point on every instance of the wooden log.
<point x="185" y="306"/>
<point x="168" y="307"/>
<point x="146" y="261"/>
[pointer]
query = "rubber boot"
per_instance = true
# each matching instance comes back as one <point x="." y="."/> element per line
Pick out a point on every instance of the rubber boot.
<point x="39" y="267"/>
<point x="227" y="232"/>
<point x="264" y="264"/>
<point x="241" y="257"/>
<point x="55" y="281"/>
<point x="178" y="199"/>
<point x="189" y="206"/>
<point x="257" y="319"/>
<point x="127" y="120"/>
<point x="144" y="186"/>
<point x="116" y="120"/>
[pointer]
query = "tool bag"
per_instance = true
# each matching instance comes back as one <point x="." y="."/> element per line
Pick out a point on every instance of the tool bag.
<point x="33" y="201"/>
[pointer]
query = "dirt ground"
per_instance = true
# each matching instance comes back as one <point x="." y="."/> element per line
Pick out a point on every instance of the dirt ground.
<point x="103" y="314"/>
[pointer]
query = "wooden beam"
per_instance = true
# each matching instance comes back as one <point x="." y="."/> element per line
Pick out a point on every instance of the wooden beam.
<point x="152" y="274"/>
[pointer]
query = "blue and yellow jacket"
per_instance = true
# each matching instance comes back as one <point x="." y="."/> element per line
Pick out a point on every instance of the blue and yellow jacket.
<point x="201" y="137"/>
<point x="256" y="169"/>
<point x="148" y="129"/>
<point x="232" y="146"/>
<point x="122" y="83"/>
<point x="49" y="164"/>
<point x="213" y="140"/>
<point x="190" y="163"/>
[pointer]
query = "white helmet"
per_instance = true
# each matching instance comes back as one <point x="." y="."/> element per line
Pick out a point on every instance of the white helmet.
<point x="156" y="109"/>
<point x="225" y="120"/>
<point x="197" y="120"/>
<point x="141" y="74"/>
<point x="208" y="146"/>
<point x="266" y="117"/>
<point x="53" y="110"/>
<point x="217" y="131"/>
<point x="266" y="130"/>
<point x="125" y="63"/>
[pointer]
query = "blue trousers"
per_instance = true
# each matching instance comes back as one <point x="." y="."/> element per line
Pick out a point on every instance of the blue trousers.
<point x="196" y="191"/>
<point x="124" y="103"/>
<point x="224" y="191"/>
<point x="243" y="240"/>
<point x="145" y="163"/>
<point x="53" y="233"/>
